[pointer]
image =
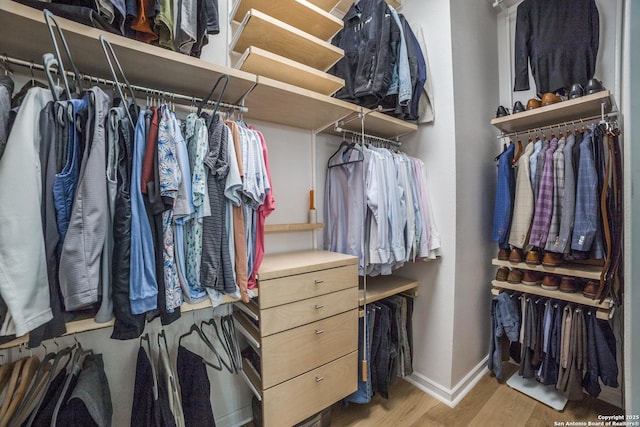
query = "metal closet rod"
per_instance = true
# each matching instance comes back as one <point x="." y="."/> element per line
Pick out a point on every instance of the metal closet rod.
<point x="369" y="137"/>
<point x="559" y="125"/>
<point x="141" y="89"/>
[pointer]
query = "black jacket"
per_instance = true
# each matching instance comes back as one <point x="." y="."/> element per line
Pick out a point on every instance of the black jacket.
<point x="560" y="39"/>
<point x="370" y="40"/>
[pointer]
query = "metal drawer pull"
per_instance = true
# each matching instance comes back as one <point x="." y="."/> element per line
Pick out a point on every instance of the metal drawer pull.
<point x="318" y="282"/>
<point x="318" y="379"/>
<point x="319" y="331"/>
<point x="318" y="306"/>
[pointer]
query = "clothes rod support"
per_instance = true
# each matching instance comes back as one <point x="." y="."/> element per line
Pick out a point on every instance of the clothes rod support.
<point x="598" y="118"/>
<point x="370" y="137"/>
<point x="140" y="89"/>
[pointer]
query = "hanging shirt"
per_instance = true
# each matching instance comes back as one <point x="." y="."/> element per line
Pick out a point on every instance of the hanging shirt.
<point x="504" y="198"/>
<point x="558" y="197"/>
<point x="569" y="200"/>
<point x="586" y="212"/>
<point x="523" y="204"/>
<point x="544" y="202"/>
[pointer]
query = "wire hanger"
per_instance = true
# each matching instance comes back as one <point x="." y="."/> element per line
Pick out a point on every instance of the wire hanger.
<point x="77" y="88"/>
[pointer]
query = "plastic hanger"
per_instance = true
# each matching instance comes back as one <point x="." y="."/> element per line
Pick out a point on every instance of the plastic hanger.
<point x="204" y="101"/>
<point x="109" y="55"/>
<point x="50" y="18"/>
<point x="196" y="329"/>
<point x="226" y="345"/>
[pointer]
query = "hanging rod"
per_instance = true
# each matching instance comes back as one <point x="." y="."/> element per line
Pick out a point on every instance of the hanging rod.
<point x="369" y="137"/>
<point x="107" y="82"/>
<point x="559" y="125"/>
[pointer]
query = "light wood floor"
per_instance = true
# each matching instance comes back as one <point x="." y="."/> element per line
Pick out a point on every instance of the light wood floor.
<point x="488" y="404"/>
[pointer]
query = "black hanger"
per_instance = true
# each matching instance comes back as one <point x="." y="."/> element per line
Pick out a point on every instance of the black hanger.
<point x="226" y="345"/>
<point x="195" y="328"/>
<point x="108" y="49"/>
<point x="229" y="332"/>
<point x="204" y="101"/>
<point x="349" y="146"/>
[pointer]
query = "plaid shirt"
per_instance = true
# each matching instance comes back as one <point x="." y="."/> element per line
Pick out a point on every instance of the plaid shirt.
<point x="544" y="202"/>
<point x="558" y="198"/>
<point x="586" y="217"/>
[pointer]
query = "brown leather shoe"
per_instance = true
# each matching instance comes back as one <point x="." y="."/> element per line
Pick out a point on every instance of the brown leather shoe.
<point x="551" y="282"/>
<point x="532" y="257"/>
<point x="552" y="259"/>
<point x="568" y="284"/>
<point x="503" y="254"/>
<point x="550" y="98"/>
<point x="502" y="274"/>
<point x="533" y="103"/>
<point x="515" y="276"/>
<point x="516" y="255"/>
<point x="531" y="278"/>
<point x="591" y="289"/>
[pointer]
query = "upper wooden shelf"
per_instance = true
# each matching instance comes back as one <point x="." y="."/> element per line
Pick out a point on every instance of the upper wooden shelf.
<point x="267" y="99"/>
<point x="565" y="111"/>
<point x="576" y="270"/>
<point x="300" y="14"/>
<point x="26" y="37"/>
<point x="261" y="62"/>
<point x="381" y="287"/>
<point x="261" y="30"/>
<point x="344" y="5"/>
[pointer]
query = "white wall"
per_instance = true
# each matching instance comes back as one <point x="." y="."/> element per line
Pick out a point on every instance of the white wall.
<point x="475" y="76"/>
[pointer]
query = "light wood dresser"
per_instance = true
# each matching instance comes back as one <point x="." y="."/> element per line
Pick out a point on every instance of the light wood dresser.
<point x="304" y="327"/>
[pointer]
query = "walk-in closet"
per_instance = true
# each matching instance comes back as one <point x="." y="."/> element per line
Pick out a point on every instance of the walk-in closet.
<point x="319" y="212"/>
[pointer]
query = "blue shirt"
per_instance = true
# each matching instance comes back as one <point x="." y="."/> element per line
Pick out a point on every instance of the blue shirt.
<point x="505" y="191"/>
<point x="586" y="214"/>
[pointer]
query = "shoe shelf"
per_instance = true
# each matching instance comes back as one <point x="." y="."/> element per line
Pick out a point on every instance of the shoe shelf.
<point x="261" y="30"/>
<point x="380" y="287"/>
<point x="344" y="5"/>
<point x="89" y="324"/>
<point x="284" y="228"/>
<point x="604" y="308"/>
<point x="576" y="270"/>
<point x="300" y="14"/>
<point x="562" y="112"/>
<point x="264" y="63"/>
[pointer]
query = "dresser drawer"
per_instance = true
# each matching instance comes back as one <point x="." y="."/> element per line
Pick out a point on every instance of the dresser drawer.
<point x="296" y="351"/>
<point x="303" y="396"/>
<point x="288" y="316"/>
<point x="284" y="290"/>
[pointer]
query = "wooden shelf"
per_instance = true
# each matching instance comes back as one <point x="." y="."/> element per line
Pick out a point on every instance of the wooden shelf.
<point x="344" y="5"/>
<point x="300" y="14"/>
<point x="264" y="63"/>
<point x="86" y="325"/>
<point x="565" y="111"/>
<point x="576" y="298"/>
<point x="326" y="5"/>
<point x="261" y="30"/>
<point x="376" y="123"/>
<point x="279" y="102"/>
<point x="576" y="270"/>
<point x="381" y="287"/>
<point x="141" y="62"/>
<point x="290" y="263"/>
<point x="285" y="228"/>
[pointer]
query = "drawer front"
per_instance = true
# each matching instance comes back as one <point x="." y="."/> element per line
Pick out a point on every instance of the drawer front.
<point x="296" y="351"/>
<point x="288" y="316"/>
<point x="297" y="399"/>
<point x="284" y="290"/>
